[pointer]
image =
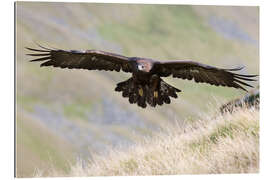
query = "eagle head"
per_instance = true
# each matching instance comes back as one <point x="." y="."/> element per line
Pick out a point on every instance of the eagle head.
<point x="144" y="65"/>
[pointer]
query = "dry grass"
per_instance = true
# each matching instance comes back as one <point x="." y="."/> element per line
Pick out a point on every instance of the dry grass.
<point x="226" y="144"/>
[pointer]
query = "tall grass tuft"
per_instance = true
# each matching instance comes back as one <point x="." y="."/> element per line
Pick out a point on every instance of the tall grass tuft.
<point x="226" y="144"/>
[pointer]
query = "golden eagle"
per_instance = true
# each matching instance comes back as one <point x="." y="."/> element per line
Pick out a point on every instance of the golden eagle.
<point x="146" y="84"/>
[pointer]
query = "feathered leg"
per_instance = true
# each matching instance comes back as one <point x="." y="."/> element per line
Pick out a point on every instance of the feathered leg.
<point x="160" y="92"/>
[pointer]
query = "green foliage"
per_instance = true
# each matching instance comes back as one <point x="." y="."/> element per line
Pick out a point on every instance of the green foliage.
<point x="222" y="132"/>
<point x="27" y="102"/>
<point x="77" y="110"/>
<point x="201" y="145"/>
<point x="227" y="130"/>
<point x="129" y="165"/>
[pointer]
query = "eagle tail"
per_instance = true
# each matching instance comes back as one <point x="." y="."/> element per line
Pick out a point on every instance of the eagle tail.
<point x="140" y="94"/>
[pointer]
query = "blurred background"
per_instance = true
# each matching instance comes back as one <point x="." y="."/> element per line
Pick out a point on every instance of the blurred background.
<point x="68" y="115"/>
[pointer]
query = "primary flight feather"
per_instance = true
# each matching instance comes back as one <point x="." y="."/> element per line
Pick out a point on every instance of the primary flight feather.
<point x="145" y="85"/>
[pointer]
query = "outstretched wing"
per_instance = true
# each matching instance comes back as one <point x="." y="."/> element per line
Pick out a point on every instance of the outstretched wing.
<point x="89" y="59"/>
<point x="202" y="73"/>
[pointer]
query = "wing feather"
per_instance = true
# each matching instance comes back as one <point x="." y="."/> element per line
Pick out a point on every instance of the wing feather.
<point x="90" y="59"/>
<point x="202" y="73"/>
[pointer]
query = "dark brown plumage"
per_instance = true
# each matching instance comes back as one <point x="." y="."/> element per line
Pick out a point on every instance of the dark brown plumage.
<point x="146" y="84"/>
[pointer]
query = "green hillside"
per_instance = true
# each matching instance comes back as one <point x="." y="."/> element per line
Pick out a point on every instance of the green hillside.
<point x="66" y="115"/>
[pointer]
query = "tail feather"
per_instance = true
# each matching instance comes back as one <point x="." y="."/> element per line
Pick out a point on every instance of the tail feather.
<point x="133" y="94"/>
<point x="151" y="100"/>
<point x="167" y="91"/>
<point x="142" y="98"/>
<point x="142" y="94"/>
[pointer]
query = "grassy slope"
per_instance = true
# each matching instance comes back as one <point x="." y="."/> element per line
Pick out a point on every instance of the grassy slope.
<point x="162" y="32"/>
<point x="36" y="145"/>
<point x="226" y="144"/>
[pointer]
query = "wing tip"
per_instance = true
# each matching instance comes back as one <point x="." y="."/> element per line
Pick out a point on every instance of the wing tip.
<point x="42" y="54"/>
<point x="240" y="79"/>
<point x="236" y="69"/>
<point x="43" y="49"/>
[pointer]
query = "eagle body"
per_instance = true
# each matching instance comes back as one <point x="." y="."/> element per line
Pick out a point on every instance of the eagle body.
<point x="146" y="85"/>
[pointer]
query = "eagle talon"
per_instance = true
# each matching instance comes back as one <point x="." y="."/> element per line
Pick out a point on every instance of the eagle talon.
<point x="141" y="92"/>
<point x="155" y="94"/>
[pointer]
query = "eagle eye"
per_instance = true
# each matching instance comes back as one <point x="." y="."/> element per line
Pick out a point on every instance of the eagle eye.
<point x="140" y="67"/>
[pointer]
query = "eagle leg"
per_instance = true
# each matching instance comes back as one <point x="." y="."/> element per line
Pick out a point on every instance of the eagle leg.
<point x="142" y="96"/>
<point x="166" y="91"/>
<point x="156" y="92"/>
